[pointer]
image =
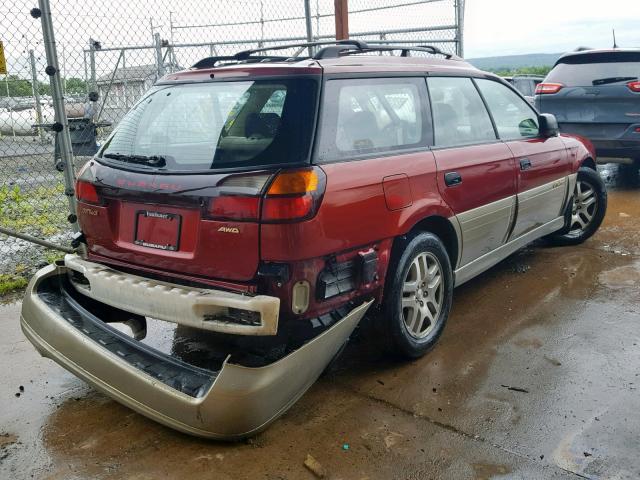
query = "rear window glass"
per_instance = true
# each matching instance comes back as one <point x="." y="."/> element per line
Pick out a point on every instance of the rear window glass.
<point x="596" y="69"/>
<point x="218" y="125"/>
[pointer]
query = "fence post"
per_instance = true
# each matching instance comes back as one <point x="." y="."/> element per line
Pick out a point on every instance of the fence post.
<point x="159" y="59"/>
<point x="460" y="24"/>
<point x="10" y="106"/>
<point x="36" y="94"/>
<point x="92" y="66"/>
<point x="125" y="83"/>
<point x="307" y="19"/>
<point x="61" y="125"/>
<point x="342" y="19"/>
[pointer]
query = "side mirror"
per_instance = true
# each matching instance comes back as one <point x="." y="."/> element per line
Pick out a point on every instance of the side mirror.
<point x="548" y="125"/>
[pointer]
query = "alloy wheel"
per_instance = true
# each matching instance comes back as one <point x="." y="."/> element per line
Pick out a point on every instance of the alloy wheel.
<point x="585" y="205"/>
<point x="422" y="295"/>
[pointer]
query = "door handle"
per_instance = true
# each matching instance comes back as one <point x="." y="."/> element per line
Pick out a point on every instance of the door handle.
<point x="525" y="164"/>
<point x="452" y="178"/>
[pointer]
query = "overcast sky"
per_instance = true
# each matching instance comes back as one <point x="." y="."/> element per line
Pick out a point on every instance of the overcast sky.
<point x="505" y="27"/>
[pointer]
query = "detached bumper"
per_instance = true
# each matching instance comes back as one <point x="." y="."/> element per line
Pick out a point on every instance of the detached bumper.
<point x="231" y="402"/>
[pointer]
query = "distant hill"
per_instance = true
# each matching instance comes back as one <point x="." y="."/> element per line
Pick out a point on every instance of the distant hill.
<point x="512" y="62"/>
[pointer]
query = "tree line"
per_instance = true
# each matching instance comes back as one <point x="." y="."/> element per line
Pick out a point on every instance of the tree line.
<point x="510" y="72"/>
<point x="20" y="87"/>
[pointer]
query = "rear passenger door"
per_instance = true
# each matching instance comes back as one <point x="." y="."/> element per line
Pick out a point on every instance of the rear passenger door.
<point x="542" y="163"/>
<point x="476" y="172"/>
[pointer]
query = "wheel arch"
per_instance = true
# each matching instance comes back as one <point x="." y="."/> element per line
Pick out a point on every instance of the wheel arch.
<point x="589" y="163"/>
<point x="441" y="227"/>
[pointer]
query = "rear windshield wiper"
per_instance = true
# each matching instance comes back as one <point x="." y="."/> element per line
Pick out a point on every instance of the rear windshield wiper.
<point x="604" y="81"/>
<point x="151" y="160"/>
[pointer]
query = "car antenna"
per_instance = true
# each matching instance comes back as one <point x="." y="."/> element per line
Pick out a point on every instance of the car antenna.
<point x="615" y="44"/>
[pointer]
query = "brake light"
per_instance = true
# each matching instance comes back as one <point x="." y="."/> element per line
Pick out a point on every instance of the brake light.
<point x="548" y="88"/>
<point x="634" y="86"/>
<point x="86" y="192"/>
<point x="234" y="207"/>
<point x="294" y="196"/>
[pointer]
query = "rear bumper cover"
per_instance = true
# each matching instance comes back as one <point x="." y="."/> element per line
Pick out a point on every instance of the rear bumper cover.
<point x="610" y="140"/>
<point x="194" y="307"/>
<point x="231" y="403"/>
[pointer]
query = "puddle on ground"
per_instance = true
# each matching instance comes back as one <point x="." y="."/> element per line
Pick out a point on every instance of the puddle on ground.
<point x="621" y="277"/>
<point x="484" y="471"/>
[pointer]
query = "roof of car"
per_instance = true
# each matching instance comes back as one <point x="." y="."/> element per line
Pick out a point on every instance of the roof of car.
<point x="331" y="56"/>
<point x="344" y="64"/>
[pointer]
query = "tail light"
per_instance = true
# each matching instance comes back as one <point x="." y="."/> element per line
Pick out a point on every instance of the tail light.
<point x="288" y="196"/>
<point x="293" y="196"/>
<point x="234" y="207"/>
<point x="86" y="192"/>
<point x="548" y="88"/>
<point x="634" y="86"/>
<point x="238" y="198"/>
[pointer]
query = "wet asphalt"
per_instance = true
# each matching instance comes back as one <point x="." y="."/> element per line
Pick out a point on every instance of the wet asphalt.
<point x="536" y="376"/>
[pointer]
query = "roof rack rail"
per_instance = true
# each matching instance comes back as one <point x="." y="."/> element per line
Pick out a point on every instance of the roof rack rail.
<point x="210" y="62"/>
<point x="405" y="50"/>
<point x="332" y="49"/>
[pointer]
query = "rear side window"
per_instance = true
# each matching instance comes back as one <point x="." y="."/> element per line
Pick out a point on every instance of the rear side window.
<point x="459" y="114"/>
<point x="513" y="116"/>
<point x="602" y="68"/>
<point x="364" y="116"/>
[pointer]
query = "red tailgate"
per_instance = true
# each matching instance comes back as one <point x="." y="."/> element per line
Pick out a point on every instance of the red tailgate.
<point x="168" y="230"/>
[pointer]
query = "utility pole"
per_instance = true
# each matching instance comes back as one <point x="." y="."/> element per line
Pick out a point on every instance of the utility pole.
<point x="342" y="19"/>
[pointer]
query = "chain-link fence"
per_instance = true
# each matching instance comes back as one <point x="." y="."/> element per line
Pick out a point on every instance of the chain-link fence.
<point x="119" y="49"/>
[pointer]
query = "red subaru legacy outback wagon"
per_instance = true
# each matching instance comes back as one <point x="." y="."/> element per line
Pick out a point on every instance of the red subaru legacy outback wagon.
<point x="264" y="203"/>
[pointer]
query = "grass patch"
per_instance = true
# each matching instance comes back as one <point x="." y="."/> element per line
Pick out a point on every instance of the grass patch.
<point x="40" y="212"/>
<point x="10" y="283"/>
<point x="51" y="256"/>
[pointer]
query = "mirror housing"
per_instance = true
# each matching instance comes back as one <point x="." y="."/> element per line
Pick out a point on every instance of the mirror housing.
<point x="548" y="125"/>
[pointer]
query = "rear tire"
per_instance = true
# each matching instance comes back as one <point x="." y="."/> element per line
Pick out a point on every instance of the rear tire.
<point x="419" y="295"/>
<point x="586" y="211"/>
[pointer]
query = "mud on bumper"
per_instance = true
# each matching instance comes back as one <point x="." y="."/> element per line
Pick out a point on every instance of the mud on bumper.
<point x="229" y="402"/>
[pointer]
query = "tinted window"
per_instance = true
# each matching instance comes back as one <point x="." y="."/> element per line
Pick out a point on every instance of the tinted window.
<point x="459" y="115"/>
<point x="606" y="68"/>
<point x="513" y="116"/>
<point x="372" y="115"/>
<point x="219" y="124"/>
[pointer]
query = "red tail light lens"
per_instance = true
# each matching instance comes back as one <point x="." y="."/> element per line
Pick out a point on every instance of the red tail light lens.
<point x="634" y="86"/>
<point x="86" y="192"/>
<point x="287" y="208"/>
<point x="234" y="207"/>
<point x="294" y="196"/>
<point x="548" y="88"/>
